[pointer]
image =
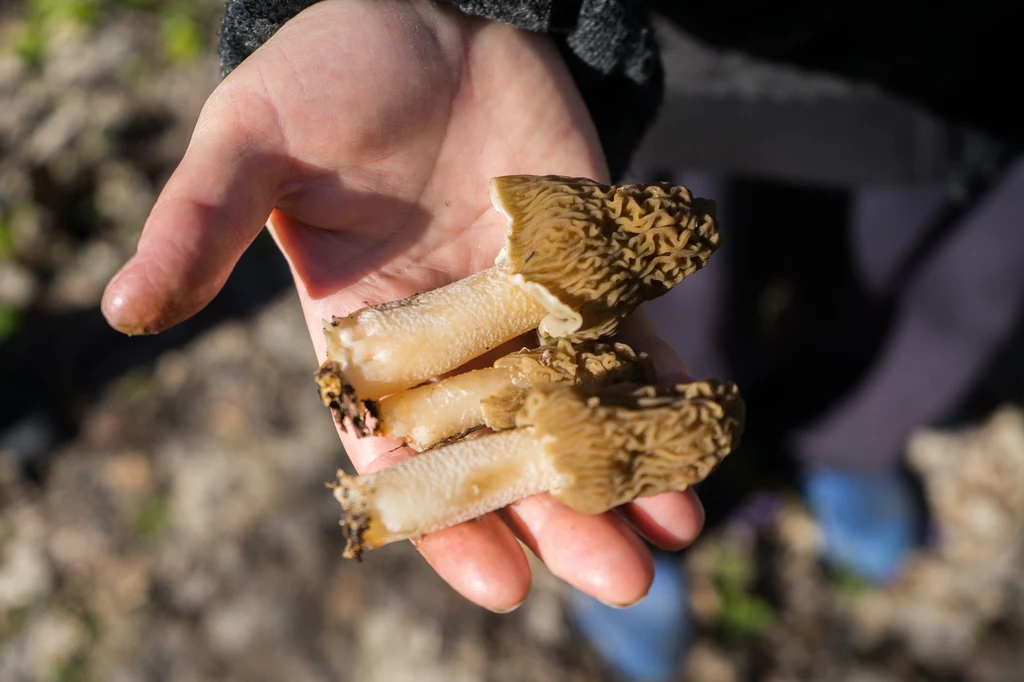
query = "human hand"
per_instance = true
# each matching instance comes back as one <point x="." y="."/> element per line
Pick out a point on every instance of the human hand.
<point x="366" y="131"/>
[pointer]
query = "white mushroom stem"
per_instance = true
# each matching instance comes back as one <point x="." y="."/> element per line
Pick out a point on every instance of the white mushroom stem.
<point x="451" y="407"/>
<point x="443" y="487"/>
<point x="388" y="348"/>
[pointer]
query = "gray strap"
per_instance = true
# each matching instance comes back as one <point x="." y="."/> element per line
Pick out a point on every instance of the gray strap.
<point x="727" y="113"/>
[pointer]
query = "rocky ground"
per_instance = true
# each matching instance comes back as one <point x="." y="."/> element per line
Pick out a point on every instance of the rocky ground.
<point x="163" y="510"/>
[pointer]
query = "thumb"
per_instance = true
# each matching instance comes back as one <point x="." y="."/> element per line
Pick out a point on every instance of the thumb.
<point x="213" y="206"/>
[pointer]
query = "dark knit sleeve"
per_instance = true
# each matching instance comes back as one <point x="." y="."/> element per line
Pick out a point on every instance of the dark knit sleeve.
<point x="608" y="46"/>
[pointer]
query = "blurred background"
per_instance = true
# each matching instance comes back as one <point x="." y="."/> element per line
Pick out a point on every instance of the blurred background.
<point x="162" y="510"/>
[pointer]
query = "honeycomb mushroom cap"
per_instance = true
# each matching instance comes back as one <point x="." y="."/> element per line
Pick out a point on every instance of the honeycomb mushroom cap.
<point x="563" y="361"/>
<point x="623" y="442"/>
<point x="592" y="253"/>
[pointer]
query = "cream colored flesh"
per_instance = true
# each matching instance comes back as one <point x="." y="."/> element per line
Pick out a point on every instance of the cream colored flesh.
<point x="443" y="487"/>
<point x="384" y="350"/>
<point x="431" y="413"/>
<point x="561" y="320"/>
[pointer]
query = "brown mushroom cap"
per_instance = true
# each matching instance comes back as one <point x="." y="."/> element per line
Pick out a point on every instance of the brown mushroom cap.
<point x="592" y="253"/>
<point x="563" y="361"/>
<point x="620" y="443"/>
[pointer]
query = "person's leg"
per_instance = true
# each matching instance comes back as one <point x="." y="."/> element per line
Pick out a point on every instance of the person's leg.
<point x="642" y="643"/>
<point x="955" y="313"/>
<point x="953" y="317"/>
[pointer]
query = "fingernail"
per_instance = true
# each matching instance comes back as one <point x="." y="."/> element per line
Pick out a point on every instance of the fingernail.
<point x="504" y="611"/>
<point x="124" y="307"/>
<point x="623" y="606"/>
<point x="702" y="513"/>
<point x="113" y="302"/>
<point x="116" y="309"/>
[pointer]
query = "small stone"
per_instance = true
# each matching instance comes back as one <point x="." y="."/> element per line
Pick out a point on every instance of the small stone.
<point x="17" y="285"/>
<point x="707" y="662"/>
<point x="54" y="638"/>
<point x="25" y="572"/>
<point x="129" y="473"/>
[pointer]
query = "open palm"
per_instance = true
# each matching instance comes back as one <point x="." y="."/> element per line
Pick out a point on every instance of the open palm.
<point x="366" y="131"/>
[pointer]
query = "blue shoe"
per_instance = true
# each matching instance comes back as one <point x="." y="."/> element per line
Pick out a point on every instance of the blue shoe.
<point x="870" y="521"/>
<point x="644" y="642"/>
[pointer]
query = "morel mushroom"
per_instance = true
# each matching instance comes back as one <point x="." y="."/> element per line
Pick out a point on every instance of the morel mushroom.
<point x="435" y="412"/>
<point x="579" y="257"/>
<point x="593" y="448"/>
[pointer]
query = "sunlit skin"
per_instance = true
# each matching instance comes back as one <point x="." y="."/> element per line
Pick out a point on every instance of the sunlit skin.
<point x="366" y="132"/>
